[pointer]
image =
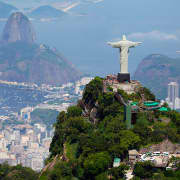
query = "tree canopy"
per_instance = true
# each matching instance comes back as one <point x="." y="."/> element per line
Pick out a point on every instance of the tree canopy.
<point x="96" y="144"/>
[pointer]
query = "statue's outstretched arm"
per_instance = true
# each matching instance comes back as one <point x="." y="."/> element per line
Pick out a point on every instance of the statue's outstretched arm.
<point x="138" y="43"/>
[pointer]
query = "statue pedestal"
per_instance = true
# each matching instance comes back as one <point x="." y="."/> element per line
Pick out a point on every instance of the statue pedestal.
<point x="123" y="77"/>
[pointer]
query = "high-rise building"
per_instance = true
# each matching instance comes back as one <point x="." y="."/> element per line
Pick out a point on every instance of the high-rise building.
<point x="173" y="94"/>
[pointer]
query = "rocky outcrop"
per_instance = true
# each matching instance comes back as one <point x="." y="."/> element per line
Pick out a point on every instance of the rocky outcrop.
<point x="23" y="60"/>
<point x="18" y="28"/>
<point x="93" y="115"/>
<point x="164" y="146"/>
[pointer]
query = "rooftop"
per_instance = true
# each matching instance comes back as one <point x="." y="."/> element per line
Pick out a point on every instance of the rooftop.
<point x="133" y="152"/>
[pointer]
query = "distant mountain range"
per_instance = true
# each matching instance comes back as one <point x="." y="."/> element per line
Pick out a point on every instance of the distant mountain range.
<point x="22" y="3"/>
<point x="46" y="8"/>
<point x="156" y="71"/>
<point x="46" y="12"/>
<point x="23" y="60"/>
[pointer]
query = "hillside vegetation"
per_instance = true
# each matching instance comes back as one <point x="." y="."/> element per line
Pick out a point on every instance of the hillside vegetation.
<point x="46" y="116"/>
<point x="16" y="173"/>
<point x="86" y="146"/>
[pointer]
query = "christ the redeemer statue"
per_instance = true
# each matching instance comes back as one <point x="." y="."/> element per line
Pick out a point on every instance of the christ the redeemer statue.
<point x="124" y="46"/>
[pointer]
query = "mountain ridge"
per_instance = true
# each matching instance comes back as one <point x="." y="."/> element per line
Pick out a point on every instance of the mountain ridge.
<point x="18" y="28"/>
<point x="23" y="60"/>
<point x="46" y="11"/>
<point x="156" y="70"/>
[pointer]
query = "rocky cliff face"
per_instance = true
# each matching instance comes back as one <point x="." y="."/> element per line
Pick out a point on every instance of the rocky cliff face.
<point x="156" y="71"/>
<point x="18" y="28"/>
<point x="23" y="60"/>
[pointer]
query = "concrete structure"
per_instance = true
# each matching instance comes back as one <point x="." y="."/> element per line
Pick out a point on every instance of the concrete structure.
<point x="116" y="162"/>
<point x="26" y="114"/>
<point x="112" y="81"/>
<point x="173" y="91"/>
<point x="124" y="46"/>
<point x="161" y="161"/>
<point x="79" y="85"/>
<point x="157" y="158"/>
<point x="173" y="95"/>
<point x="133" y="156"/>
<point x="37" y="163"/>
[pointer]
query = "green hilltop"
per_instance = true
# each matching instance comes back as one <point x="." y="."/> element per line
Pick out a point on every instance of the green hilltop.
<point x="90" y="135"/>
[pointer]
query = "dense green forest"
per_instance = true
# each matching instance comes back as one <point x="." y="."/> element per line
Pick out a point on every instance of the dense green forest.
<point x="145" y="170"/>
<point x="45" y="116"/>
<point x="86" y="148"/>
<point x="16" y="173"/>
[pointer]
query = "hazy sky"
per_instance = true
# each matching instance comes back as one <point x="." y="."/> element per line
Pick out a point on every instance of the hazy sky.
<point x="82" y="39"/>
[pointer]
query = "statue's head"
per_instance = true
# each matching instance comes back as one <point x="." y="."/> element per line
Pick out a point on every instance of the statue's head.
<point x="124" y="38"/>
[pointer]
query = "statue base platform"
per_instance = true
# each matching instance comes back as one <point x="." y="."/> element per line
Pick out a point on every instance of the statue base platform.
<point x="123" y="77"/>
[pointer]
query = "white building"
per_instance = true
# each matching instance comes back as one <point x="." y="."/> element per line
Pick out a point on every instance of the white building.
<point x="177" y="103"/>
<point x="173" y="95"/>
<point x="37" y="163"/>
<point x="24" y="140"/>
<point x="3" y="145"/>
<point x="82" y="82"/>
<point x="85" y="80"/>
<point x="26" y="114"/>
